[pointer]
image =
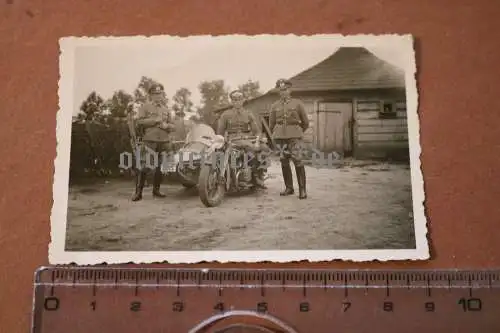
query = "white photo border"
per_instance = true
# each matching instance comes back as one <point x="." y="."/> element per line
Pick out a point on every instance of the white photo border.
<point x="58" y="219"/>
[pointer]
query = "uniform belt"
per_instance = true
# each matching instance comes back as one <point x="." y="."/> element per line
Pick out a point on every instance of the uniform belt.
<point x="288" y="122"/>
<point x="241" y="135"/>
<point x="150" y="126"/>
<point x="237" y="132"/>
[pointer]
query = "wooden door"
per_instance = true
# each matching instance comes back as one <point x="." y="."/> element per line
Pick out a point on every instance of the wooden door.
<point x="334" y="127"/>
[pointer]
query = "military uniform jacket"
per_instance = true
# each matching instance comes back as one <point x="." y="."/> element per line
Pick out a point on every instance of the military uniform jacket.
<point x="237" y="122"/>
<point x="148" y="117"/>
<point x="288" y="119"/>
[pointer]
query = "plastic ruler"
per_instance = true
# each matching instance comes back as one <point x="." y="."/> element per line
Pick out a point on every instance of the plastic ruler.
<point x="126" y="300"/>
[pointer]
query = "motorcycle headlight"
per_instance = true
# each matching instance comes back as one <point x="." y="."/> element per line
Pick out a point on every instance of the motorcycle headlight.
<point x="219" y="138"/>
<point x="190" y="156"/>
<point x="196" y="156"/>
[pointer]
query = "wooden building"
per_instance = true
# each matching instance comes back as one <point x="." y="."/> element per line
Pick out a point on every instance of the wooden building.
<point x="356" y="105"/>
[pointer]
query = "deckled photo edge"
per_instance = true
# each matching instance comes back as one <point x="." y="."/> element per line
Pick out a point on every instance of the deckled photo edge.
<point x="58" y="221"/>
<point x="417" y="180"/>
<point x="193" y="257"/>
<point x="349" y="40"/>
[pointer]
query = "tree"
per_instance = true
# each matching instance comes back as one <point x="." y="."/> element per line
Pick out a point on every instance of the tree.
<point x="196" y="117"/>
<point x="214" y="95"/>
<point x="92" y="107"/>
<point x="182" y="102"/>
<point x="141" y="92"/>
<point x="250" y="89"/>
<point x="119" y="104"/>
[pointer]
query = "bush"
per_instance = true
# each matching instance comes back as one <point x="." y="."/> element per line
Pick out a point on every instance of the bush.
<point x="96" y="148"/>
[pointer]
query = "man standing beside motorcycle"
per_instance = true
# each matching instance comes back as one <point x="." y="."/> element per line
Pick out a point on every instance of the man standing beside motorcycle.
<point x="238" y="122"/>
<point x="288" y="121"/>
<point x="155" y="124"/>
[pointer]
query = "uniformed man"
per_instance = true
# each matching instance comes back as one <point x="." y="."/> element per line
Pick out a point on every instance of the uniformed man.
<point x="155" y="123"/>
<point x="288" y="121"/>
<point x="238" y="122"/>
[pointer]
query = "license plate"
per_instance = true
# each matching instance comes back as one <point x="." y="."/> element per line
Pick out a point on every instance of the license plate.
<point x="169" y="168"/>
<point x="171" y="164"/>
<point x="188" y="156"/>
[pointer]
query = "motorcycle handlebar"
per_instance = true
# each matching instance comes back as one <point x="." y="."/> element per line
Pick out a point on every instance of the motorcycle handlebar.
<point x="250" y="138"/>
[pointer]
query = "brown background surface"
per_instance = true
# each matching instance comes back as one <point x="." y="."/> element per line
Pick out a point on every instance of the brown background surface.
<point x="457" y="51"/>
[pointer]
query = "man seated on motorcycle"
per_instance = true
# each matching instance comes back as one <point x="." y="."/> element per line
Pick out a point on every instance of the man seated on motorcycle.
<point x="237" y="123"/>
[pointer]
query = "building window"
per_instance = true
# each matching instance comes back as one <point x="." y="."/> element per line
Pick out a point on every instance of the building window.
<point x="388" y="110"/>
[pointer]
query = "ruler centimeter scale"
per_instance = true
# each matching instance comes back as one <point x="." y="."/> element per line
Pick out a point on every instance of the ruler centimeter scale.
<point x="126" y="300"/>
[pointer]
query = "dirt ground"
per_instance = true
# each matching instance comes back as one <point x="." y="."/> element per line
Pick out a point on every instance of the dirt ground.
<point x="357" y="206"/>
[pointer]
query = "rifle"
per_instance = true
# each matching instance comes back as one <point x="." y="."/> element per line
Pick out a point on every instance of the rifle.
<point x="134" y="141"/>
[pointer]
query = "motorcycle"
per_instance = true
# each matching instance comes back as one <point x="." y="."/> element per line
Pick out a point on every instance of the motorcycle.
<point x="226" y="169"/>
<point x="187" y="161"/>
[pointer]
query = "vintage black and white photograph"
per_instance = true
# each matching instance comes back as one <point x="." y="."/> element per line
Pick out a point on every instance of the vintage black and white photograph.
<point x="237" y="149"/>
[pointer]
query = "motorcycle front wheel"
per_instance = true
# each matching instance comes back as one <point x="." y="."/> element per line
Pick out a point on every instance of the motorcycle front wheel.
<point x="211" y="191"/>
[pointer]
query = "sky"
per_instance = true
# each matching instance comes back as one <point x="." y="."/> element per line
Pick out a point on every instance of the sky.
<point x="108" y="65"/>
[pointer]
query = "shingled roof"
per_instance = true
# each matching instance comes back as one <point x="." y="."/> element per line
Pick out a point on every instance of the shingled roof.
<point x="349" y="68"/>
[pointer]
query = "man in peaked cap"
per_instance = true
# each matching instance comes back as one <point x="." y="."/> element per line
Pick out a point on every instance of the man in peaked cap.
<point x="156" y="124"/>
<point x="288" y="121"/>
<point x="238" y="122"/>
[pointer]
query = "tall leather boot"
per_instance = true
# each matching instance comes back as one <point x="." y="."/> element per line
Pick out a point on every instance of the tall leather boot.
<point x="140" y="180"/>
<point x="301" y="180"/>
<point x="156" y="183"/>
<point x="286" y="170"/>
